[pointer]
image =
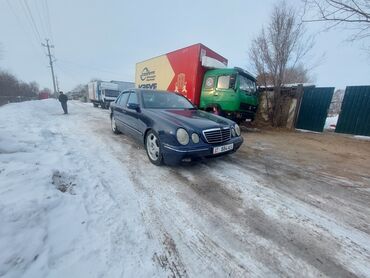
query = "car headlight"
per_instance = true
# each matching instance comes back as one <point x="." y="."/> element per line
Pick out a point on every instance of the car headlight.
<point x="182" y="136"/>
<point x="233" y="134"/>
<point x="237" y="129"/>
<point x="195" y="138"/>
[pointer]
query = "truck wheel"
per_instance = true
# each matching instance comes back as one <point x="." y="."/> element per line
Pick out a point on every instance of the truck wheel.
<point x="95" y="104"/>
<point x="216" y="110"/>
<point x="153" y="148"/>
<point x="114" y="125"/>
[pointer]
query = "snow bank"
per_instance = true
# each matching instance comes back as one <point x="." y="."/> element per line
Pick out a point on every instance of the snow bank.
<point x="361" y="137"/>
<point x="60" y="216"/>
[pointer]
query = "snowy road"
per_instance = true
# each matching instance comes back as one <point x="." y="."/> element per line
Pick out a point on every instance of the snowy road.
<point x="78" y="201"/>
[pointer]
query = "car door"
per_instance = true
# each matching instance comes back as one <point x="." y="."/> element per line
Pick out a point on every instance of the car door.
<point x="132" y="115"/>
<point x="118" y="110"/>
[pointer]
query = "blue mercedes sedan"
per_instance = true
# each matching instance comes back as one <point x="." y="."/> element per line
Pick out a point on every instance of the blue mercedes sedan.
<point x="171" y="128"/>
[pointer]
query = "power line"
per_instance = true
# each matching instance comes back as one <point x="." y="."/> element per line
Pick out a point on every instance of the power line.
<point x="31" y="21"/>
<point x="89" y="67"/>
<point x="67" y="73"/>
<point x="27" y="10"/>
<point x="28" y="21"/>
<point x="42" y="22"/>
<point x="29" y="37"/>
<point x="47" y="12"/>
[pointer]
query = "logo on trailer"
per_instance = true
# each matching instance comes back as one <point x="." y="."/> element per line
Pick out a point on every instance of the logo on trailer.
<point x="152" y="86"/>
<point x="147" y="75"/>
<point x="181" y="84"/>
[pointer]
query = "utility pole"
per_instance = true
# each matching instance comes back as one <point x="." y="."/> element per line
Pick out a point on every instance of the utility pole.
<point x="57" y="82"/>
<point x="48" y="46"/>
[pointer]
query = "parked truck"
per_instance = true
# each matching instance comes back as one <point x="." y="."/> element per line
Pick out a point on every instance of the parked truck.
<point x="103" y="93"/>
<point x="201" y="75"/>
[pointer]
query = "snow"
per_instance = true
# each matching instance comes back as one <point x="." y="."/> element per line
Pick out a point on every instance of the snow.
<point x="361" y="137"/>
<point x="48" y="233"/>
<point x="78" y="201"/>
<point x="331" y="122"/>
<point x="306" y="131"/>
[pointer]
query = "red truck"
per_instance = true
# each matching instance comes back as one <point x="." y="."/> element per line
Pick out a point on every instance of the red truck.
<point x="200" y="74"/>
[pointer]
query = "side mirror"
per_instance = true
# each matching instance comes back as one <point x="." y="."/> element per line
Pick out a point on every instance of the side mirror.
<point x="133" y="106"/>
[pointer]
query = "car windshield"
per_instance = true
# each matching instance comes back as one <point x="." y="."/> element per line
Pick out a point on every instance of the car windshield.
<point x="165" y="100"/>
<point x="247" y="85"/>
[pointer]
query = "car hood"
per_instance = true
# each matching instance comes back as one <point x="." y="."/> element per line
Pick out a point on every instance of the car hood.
<point x="191" y="119"/>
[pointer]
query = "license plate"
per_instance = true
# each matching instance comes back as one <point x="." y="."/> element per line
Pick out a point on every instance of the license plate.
<point x="222" y="149"/>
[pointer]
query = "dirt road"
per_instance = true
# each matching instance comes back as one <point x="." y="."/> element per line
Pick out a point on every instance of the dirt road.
<point x="286" y="204"/>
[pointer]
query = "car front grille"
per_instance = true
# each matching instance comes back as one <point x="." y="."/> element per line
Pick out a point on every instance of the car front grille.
<point x="217" y="135"/>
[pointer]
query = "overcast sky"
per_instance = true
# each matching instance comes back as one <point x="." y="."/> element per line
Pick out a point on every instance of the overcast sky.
<point x="104" y="39"/>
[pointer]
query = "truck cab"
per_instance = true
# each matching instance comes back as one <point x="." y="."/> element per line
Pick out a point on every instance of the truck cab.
<point x="109" y="92"/>
<point x="230" y="92"/>
<point x="103" y="93"/>
<point x="108" y="95"/>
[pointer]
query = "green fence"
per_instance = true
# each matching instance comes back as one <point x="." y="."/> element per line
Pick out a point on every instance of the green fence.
<point x="314" y="108"/>
<point x="354" y="117"/>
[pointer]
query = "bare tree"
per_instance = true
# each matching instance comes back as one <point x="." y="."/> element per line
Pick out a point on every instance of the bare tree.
<point x="279" y="47"/>
<point x="34" y="88"/>
<point x="11" y="86"/>
<point x="80" y="91"/>
<point x="296" y="75"/>
<point x="354" y="14"/>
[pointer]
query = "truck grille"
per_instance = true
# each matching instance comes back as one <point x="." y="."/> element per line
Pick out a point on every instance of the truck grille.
<point x="217" y="135"/>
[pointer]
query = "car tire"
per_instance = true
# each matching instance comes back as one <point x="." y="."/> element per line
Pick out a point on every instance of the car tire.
<point x="114" y="125"/>
<point x="153" y="148"/>
<point x="95" y="104"/>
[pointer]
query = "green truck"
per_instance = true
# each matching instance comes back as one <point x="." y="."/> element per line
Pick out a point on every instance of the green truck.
<point x="230" y="92"/>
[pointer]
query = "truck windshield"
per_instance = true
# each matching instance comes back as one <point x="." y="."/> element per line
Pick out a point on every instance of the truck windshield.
<point x="111" y="93"/>
<point x="247" y="84"/>
<point x="165" y="100"/>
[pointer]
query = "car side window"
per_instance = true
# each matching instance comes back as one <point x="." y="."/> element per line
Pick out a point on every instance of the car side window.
<point x="133" y="98"/>
<point x="123" y="99"/>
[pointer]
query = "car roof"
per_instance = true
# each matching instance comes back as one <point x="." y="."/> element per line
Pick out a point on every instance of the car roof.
<point x="139" y="90"/>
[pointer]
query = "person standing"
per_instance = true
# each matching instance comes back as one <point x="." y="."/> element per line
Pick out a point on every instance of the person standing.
<point x="63" y="100"/>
